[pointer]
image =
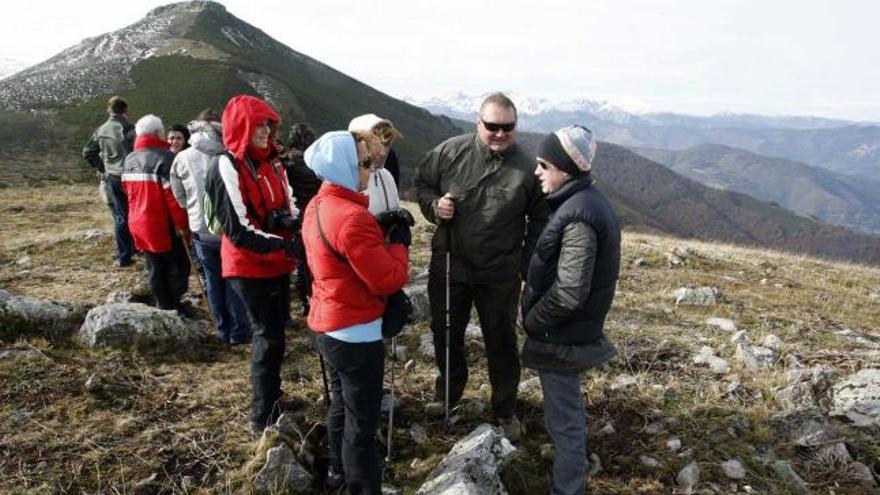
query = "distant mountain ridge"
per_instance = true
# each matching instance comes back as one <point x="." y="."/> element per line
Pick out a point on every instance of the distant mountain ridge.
<point x="830" y="197"/>
<point x="842" y="146"/>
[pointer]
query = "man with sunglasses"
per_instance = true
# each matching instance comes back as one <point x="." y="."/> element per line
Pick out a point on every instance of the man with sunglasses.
<point x="481" y="192"/>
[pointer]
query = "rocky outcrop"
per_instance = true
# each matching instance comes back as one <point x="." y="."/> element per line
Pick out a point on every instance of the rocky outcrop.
<point x="124" y="325"/>
<point x="25" y="316"/>
<point x="473" y="465"/>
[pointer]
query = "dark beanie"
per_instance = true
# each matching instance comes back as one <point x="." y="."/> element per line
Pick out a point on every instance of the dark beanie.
<point x="551" y="151"/>
<point x="570" y="149"/>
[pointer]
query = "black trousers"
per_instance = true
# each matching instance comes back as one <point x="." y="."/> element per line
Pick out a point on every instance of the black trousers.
<point x="168" y="274"/>
<point x="496" y="306"/>
<point x="355" y="371"/>
<point x="268" y="306"/>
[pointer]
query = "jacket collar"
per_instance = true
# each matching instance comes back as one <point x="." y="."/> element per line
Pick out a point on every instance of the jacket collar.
<point x="150" y="141"/>
<point x="331" y="189"/>
<point x="577" y="184"/>
<point x="487" y="152"/>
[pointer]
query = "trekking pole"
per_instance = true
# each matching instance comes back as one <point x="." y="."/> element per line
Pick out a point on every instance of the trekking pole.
<point x="448" y="321"/>
<point x="192" y="265"/>
<point x="390" y="454"/>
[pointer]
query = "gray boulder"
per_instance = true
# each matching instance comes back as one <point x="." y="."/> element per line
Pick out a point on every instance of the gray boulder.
<point x="418" y="295"/>
<point x="724" y="324"/>
<point x="707" y="356"/>
<point x="22" y="354"/>
<point x="134" y="325"/>
<point x="700" y="296"/>
<point x="282" y="474"/>
<point x="755" y="358"/>
<point x="688" y="478"/>
<point x="796" y="396"/>
<point x="788" y="475"/>
<point x="858" y="397"/>
<point x="733" y="469"/>
<point x="473" y="465"/>
<point x="22" y="316"/>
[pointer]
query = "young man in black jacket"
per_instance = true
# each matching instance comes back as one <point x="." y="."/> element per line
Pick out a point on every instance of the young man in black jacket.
<point x="571" y="279"/>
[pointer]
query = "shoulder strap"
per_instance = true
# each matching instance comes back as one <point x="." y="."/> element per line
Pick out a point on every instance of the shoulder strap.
<point x="336" y="253"/>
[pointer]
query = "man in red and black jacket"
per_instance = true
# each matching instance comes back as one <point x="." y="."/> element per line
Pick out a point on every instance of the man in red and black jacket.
<point x="248" y="188"/>
<point x="155" y="219"/>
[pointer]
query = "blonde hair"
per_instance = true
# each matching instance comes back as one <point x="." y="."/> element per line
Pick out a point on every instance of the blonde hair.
<point x="386" y="132"/>
<point x="373" y="143"/>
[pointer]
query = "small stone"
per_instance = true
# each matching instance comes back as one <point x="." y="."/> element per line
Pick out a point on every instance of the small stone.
<point x="426" y="345"/>
<point x="796" y="396"/>
<point x="674" y="444"/>
<point x="755" y="358"/>
<point x="606" y="430"/>
<point x="673" y="261"/>
<point x="390" y="490"/>
<point x="283" y="473"/>
<point x="623" y="381"/>
<point x="19" y="354"/>
<point x="773" y="342"/>
<point x="741" y="337"/>
<point x="733" y="469"/>
<point x="638" y="262"/>
<point x="649" y="462"/>
<point x="419" y="434"/>
<point x="785" y="472"/>
<point x="548" y="453"/>
<point x="724" y="324"/>
<point x="93" y="234"/>
<point x="701" y="296"/>
<point x="532" y="386"/>
<point x="595" y="465"/>
<point x="688" y="478"/>
<point x="655" y="428"/>
<point x="23" y="261"/>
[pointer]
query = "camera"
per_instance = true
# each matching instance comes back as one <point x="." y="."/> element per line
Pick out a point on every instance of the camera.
<point x="279" y="219"/>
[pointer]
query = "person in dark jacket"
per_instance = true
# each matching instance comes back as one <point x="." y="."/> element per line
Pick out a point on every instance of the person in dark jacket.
<point x="158" y="223"/>
<point x="354" y="273"/>
<point x="481" y="192"/>
<point x="304" y="184"/>
<point x="571" y="281"/>
<point x="250" y="193"/>
<point x="106" y="150"/>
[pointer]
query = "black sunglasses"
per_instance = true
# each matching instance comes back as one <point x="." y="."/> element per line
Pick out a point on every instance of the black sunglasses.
<point x="495" y="127"/>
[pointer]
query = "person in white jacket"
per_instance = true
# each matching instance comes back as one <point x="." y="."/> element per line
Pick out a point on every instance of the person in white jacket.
<point x="382" y="189"/>
<point x="188" y="186"/>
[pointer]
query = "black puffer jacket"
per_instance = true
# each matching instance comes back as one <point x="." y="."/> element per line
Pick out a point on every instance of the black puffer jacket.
<point x="571" y="281"/>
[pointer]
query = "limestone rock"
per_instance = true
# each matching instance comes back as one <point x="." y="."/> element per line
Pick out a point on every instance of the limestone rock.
<point x="755" y="358"/>
<point x="23" y="354"/>
<point x="418" y="433"/>
<point x="282" y="473"/>
<point x="724" y="324"/>
<point x="649" y="462"/>
<point x="796" y="396"/>
<point x="858" y="397"/>
<point x="418" y="296"/>
<point x="135" y="324"/>
<point x="531" y="388"/>
<point x="426" y="345"/>
<point x="787" y="474"/>
<point x="688" y="478"/>
<point x="473" y="465"/>
<point x="21" y="315"/>
<point x="93" y="234"/>
<point x="773" y="342"/>
<point x="707" y="356"/>
<point x="733" y="469"/>
<point x="700" y="296"/>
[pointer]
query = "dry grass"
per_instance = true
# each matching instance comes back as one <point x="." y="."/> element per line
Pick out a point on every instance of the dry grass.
<point x="180" y="416"/>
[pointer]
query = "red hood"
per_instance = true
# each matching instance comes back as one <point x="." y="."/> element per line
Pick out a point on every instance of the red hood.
<point x="241" y="116"/>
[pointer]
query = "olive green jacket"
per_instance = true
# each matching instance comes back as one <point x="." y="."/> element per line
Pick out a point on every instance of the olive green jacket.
<point x="109" y="145"/>
<point x="499" y="208"/>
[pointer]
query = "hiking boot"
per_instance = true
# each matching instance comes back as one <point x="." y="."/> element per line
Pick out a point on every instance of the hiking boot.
<point x="123" y="263"/>
<point x="511" y="427"/>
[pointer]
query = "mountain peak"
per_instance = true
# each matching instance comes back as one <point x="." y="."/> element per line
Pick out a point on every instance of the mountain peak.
<point x="100" y="65"/>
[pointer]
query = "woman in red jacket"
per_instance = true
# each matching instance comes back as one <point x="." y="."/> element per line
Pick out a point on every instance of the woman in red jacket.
<point x="248" y="186"/>
<point x="354" y="271"/>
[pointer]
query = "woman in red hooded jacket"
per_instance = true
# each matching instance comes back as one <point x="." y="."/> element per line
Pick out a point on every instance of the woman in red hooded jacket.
<point x="248" y="187"/>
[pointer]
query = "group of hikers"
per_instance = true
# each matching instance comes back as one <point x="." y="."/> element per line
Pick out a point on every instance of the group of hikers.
<point x="512" y="229"/>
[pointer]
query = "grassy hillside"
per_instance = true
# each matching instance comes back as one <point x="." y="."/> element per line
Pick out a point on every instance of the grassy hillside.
<point x="179" y="416"/>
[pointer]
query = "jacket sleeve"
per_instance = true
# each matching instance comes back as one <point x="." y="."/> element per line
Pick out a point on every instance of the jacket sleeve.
<point x="177" y="212"/>
<point x="427" y="184"/>
<point x="179" y="175"/>
<point x="536" y="218"/>
<point x="231" y="210"/>
<point x="384" y="269"/>
<point x="571" y="288"/>
<point x="92" y="153"/>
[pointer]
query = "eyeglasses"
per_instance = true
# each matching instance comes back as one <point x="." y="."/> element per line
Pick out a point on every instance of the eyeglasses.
<point x="495" y="127"/>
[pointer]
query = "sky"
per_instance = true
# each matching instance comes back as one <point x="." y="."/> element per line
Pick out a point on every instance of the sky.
<point x="773" y="57"/>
